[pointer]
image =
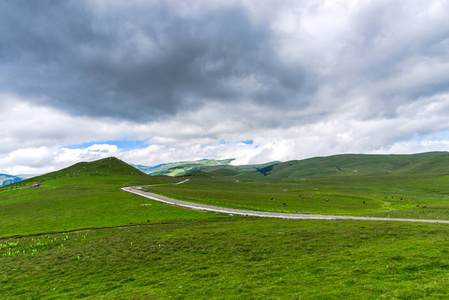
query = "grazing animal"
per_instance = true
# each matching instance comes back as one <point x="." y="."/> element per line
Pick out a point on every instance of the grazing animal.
<point x="417" y="205"/>
<point x="425" y="206"/>
<point x="300" y="196"/>
<point x="272" y="199"/>
<point x="284" y="204"/>
<point x="363" y="202"/>
<point x="327" y="200"/>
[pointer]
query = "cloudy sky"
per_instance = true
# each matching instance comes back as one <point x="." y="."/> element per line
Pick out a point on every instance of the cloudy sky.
<point x="162" y="81"/>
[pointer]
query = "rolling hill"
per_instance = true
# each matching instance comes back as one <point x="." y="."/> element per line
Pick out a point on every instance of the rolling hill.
<point x="88" y="195"/>
<point x="185" y="167"/>
<point x="360" y="164"/>
<point x="85" y="195"/>
<point x="329" y="166"/>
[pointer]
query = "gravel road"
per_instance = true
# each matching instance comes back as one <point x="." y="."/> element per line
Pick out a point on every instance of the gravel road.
<point x="202" y="207"/>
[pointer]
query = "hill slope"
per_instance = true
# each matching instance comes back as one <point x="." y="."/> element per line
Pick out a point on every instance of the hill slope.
<point x="436" y="165"/>
<point x="184" y="168"/>
<point x="84" y="195"/>
<point x="360" y="164"/>
<point x="330" y="166"/>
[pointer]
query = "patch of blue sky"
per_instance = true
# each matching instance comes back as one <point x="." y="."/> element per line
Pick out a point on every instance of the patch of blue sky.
<point x="444" y="135"/>
<point x="438" y="136"/>
<point x="248" y="142"/>
<point x="121" y="144"/>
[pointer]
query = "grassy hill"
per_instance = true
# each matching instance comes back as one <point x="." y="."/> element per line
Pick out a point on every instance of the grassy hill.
<point x="184" y="168"/>
<point x="360" y="164"/>
<point x="84" y="195"/>
<point x="330" y="166"/>
<point x="434" y="165"/>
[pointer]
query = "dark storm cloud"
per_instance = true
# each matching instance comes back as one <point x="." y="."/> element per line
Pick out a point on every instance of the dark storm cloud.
<point x="140" y="62"/>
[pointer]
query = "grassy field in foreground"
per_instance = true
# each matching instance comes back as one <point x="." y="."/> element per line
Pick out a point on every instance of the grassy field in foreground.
<point x="383" y="195"/>
<point x="232" y="258"/>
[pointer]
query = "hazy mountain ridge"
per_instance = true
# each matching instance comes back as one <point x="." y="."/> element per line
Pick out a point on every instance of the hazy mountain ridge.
<point x="6" y="179"/>
<point x="147" y="169"/>
<point x="185" y="167"/>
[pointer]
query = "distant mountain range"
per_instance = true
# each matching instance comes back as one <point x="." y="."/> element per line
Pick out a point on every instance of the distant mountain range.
<point x="330" y="166"/>
<point x="185" y="167"/>
<point x="6" y="179"/>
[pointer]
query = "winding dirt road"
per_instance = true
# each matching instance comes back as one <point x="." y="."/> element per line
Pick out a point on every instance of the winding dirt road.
<point x="202" y="207"/>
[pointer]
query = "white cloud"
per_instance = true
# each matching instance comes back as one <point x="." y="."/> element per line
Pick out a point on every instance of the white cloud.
<point x="41" y="160"/>
<point x="416" y="146"/>
<point x="197" y="135"/>
<point x="303" y="78"/>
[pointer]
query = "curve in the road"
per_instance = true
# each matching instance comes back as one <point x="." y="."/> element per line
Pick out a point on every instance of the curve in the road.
<point x="231" y="211"/>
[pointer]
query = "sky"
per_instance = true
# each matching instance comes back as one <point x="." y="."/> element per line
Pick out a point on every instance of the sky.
<point x="152" y="82"/>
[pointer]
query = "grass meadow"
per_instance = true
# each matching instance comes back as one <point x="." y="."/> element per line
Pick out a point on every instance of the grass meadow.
<point x="413" y="196"/>
<point x="78" y="236"/>
<point x="232" y="258"/>
<point x="83" y="196"/>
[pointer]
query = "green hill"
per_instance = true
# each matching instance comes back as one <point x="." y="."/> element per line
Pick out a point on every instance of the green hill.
<point x="436" y="165"/>
<point x="360" y="164"/>
<point x="211" y="166"/>
<point x="331" y="166"/>
<point x="185" y="167"/>
<point x="84" y="195"/>
<point x="231" y="171"/>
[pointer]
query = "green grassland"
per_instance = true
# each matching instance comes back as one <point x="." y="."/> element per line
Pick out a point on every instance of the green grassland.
<point x="79" y="236"/>
<point x="380" y="195"/>
<point x="232" y="258"/>
<point x="85" y="195"/>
